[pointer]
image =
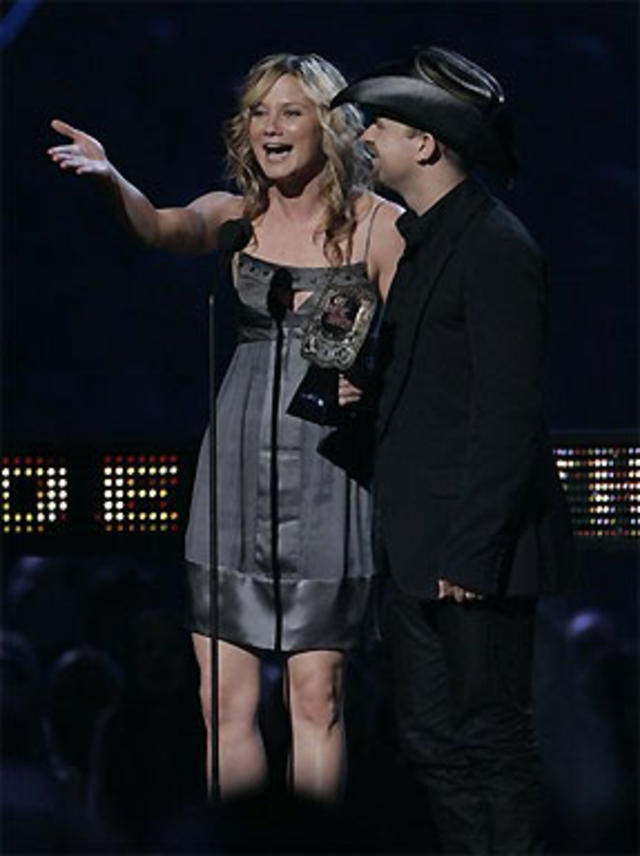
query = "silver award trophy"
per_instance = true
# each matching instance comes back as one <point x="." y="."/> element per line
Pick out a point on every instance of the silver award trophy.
<point x="333" y="340"/>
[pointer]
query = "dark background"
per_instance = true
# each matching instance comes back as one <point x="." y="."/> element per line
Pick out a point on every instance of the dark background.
<point x="105" y="346"/>
<point x="107" y="340"/>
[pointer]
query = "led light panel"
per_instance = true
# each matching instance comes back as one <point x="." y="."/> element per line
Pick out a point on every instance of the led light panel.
<point x="138" y="493"/>
<point x="35" y="494"/>
<point x="603" y="488"/>
<point x="147" y="494"/>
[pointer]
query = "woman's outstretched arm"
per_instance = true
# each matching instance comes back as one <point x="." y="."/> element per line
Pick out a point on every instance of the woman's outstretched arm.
<point x="192" y="229"/>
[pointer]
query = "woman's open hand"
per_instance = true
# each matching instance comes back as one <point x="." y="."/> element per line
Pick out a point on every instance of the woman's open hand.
<point x="84" y="155"/>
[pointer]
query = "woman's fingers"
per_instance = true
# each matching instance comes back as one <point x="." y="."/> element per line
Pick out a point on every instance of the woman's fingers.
<point x="347" y="392"/>
<point x="84" y="155"/>
<point x="59" y="152"/>
<point x="64" y="128"/>
<point x="72" y="162"/>
<point x="79" y="164"/>
<point x="65" y="157"/>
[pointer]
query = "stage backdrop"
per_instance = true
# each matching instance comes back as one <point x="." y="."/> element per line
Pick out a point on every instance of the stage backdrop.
<point x="106" y="341"/>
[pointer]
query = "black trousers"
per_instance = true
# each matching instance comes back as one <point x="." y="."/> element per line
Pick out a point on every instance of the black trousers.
<point x="462" y="688"/>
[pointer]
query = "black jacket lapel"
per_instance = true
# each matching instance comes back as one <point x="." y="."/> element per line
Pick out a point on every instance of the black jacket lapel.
<point x="468" y="204"/>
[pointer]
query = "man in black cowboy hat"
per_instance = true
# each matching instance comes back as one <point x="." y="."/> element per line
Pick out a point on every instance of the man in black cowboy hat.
<point x="472" y="517"/>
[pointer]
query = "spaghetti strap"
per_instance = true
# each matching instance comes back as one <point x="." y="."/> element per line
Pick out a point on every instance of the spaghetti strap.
<point x="370" y="229"/>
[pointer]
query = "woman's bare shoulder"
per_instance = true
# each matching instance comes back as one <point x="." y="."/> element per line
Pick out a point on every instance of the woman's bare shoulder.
<point x="384" y="244"/>
<point x="385" y="208"/>
<point x="213" y="209"/>
<point x="219" y="205"/>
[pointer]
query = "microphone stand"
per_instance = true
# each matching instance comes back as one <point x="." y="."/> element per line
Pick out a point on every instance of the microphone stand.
<point x="213" y="761"/>
<point x="232" y="237"/>
<point x="279" y="299"/>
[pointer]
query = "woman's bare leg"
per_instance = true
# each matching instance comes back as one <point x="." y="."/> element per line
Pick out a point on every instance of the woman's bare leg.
<point x="314" y="692"/>
<point x="242" y="761"/>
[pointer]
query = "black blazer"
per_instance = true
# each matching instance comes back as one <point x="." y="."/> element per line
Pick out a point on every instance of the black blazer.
<point x="465" y="483"/>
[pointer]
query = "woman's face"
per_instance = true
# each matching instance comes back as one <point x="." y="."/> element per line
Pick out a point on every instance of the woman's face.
<point x="285" y="132"/>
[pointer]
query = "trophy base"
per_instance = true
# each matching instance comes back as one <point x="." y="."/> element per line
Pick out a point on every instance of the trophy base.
<point x="316" y="399"/>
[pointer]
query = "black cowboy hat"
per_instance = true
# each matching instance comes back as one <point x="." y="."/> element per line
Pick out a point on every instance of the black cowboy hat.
<point x="441" y="91"/>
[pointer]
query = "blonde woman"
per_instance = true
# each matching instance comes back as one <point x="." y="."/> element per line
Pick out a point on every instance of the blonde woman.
<point x="303" y="178"/>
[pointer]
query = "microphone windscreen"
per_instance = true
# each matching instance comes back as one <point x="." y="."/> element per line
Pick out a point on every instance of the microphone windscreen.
<point x="280" y="294"/>
<point x="234" y="235"/>
<point x="281" y="280"/>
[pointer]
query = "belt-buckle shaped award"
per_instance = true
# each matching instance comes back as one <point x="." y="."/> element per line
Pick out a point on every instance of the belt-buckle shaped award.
<point x="333" y="338"/>
<point x="338" y="326"/>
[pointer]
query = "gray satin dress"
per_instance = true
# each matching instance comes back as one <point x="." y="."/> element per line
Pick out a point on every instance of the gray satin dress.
<point x="320" y="593"/>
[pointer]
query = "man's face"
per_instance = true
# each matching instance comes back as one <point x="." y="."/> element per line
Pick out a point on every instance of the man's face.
<point x="395" y="151"/>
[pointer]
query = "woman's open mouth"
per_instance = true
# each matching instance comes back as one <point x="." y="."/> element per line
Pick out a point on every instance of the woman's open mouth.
<point x="276" y="152"/>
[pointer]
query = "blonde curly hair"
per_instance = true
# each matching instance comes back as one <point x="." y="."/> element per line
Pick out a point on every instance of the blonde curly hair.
<point x="346" y="171"/>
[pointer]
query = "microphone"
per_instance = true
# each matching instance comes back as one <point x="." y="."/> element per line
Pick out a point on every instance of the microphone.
<point x="280" y="295"/>
<point x="234" y="235"/>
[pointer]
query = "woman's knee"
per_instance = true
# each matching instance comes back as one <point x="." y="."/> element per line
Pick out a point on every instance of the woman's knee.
<point x="316" y="699"/>
<point x="238" y="706"/>
<point x="238" y="689"/>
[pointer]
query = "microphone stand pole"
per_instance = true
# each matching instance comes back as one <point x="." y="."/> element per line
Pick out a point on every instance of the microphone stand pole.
<point x="213" y="761"/>
<point x="233" y="235"/>
<point x="279" y="299"/>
